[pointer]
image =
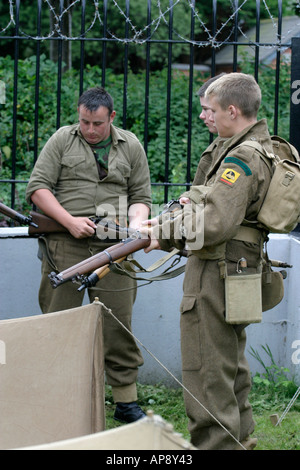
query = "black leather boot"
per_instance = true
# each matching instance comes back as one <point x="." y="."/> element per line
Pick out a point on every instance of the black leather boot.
<point x="128" y="412"/>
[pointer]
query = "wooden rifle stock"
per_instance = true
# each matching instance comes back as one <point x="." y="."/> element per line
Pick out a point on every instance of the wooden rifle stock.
<point x="40" y="223"/>
<point x="92" y="279"/>
<point x="98" y="265"/>
<point x="106" y="230"/>
<point x="44" y="224"/>
<point x="114" y="253"/>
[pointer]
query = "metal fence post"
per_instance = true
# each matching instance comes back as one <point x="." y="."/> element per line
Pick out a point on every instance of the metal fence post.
<point x="295" y="94"/>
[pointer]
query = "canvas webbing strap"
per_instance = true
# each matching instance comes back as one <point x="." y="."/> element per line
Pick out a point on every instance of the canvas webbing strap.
<point x="157" y="263"/>
<point x="245" y="234"/>
<point x="129" y="268"/>
<point x="248" y="234"/>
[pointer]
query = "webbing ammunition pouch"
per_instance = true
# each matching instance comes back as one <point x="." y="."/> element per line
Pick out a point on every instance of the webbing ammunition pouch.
<point x="248" y="294"/>
<point x="243" y="296"/>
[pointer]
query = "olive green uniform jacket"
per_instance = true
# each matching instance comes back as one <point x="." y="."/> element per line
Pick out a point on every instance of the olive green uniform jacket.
<point x="214" y="367"/>
<point x="67" y="167"/>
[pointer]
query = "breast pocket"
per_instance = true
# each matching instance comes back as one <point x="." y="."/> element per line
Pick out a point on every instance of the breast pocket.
<point x="73" y="167"/>
<point x="190" y="334"/>
<point x="120" y="174"/>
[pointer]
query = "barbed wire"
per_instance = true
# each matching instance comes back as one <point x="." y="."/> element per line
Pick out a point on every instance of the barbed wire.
<point x="139" y="35"/>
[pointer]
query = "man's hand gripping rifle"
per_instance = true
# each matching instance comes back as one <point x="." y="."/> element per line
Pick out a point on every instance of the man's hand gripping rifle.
<point x="98" y="265"/>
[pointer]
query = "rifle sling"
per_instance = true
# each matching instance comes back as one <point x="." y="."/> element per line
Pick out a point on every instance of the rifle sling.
<point x="153" y="266"/>
<point x="43" y="251"/>
<point x="247" y="234"/>
<point x="128" y="270"/>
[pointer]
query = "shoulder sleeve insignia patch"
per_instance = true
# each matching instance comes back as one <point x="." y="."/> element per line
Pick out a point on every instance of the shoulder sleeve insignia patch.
<point x="229" y="176"/>
<point x="240" y="163"/>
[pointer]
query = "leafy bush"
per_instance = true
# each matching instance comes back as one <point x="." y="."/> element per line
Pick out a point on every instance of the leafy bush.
<point x="50" y="115"/>
<point x="275" y="384"/>
<point x="45" y="118"/>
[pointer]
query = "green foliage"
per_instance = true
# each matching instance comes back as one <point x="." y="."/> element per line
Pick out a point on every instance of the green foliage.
<point x="267" y="83"/>
<point x="45" y="118"/>
<point x="274" y="385"/>
<point x="28" y="118"/>
<point x="167" y="156"/>
<point x="164" y="401"/>
<point x="168" y="403"/>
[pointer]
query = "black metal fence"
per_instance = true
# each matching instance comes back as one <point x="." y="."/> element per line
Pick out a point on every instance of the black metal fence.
<point x="203" y="40"/>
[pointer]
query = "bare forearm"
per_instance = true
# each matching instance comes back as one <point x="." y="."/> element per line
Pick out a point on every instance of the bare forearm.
<point x="46" y="201"/>
<point x="137" y="214"/>
<point x="79" y="227"/>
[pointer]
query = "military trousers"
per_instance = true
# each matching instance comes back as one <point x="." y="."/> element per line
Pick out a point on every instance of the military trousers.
<point x="215" y="370"/>
<point x="116" y="292"/>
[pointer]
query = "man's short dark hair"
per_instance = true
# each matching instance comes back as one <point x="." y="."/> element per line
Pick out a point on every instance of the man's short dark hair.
<point x="203" y="88"/>
<point x="95" y="97"/>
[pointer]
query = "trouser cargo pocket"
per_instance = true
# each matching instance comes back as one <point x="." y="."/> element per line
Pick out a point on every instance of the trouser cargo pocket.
<point x="190" y="334"/>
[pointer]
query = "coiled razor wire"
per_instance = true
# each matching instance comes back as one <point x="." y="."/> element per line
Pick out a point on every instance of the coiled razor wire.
<point x="141" y="35"/>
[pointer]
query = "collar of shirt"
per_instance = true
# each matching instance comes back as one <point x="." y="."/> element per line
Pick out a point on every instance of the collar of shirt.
<point x="115" y="135"/>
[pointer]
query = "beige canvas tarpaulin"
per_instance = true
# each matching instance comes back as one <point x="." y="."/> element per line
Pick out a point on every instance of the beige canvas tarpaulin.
<point x="150" y="433"/>
<point x="52" y="377"/>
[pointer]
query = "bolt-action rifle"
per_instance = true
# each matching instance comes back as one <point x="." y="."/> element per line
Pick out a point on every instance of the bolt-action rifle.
<point x="39" y="224"/>
<point x="20" y="218"/>
<point x="90" y="270"/>
<point x="127" y="241"/>
<point x="93" y="264"/>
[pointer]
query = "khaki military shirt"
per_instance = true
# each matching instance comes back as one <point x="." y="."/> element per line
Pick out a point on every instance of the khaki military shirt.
<point x="238" y="180"/>
<point x="206" y="161"/>
<point x="67" y="167"/>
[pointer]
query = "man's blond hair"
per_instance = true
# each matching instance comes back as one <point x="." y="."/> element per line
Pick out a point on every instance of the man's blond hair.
<point x="238" y="89"/>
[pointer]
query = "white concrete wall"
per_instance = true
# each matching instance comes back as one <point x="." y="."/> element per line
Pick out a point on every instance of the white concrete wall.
<point x="280" y="328"/>
<point x="156" y="311"/>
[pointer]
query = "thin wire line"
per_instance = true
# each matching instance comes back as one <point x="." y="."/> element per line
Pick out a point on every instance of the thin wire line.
<point x="288" y="407"/>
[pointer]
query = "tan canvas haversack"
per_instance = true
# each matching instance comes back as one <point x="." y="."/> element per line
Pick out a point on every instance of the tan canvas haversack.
<point x="280" y="212"/>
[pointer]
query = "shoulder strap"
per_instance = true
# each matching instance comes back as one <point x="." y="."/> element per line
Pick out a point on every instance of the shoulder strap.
<point x="269" y="158"/>
<point x="284" y="149"/>
<point x="261" y="149"/>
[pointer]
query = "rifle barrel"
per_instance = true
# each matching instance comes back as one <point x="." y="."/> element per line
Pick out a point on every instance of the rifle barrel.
<point x="11" y="213"/>
<point x="111" y="254"/>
